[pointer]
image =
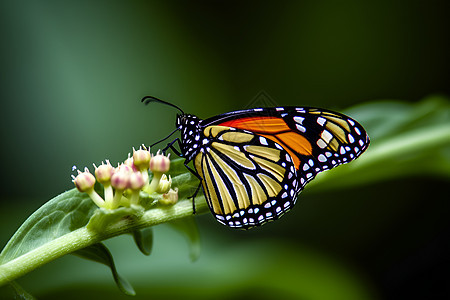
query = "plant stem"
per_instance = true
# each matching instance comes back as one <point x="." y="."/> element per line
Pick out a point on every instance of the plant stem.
<point x="84" y="237"/>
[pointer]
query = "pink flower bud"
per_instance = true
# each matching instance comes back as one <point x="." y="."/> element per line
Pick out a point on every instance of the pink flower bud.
<point x="120" y="179"/>
<point x="104" y="172"/>
<point x="84" y="181"/>
<point x="170" y="198"/>
<point x="159" y="163"/>
<point x="124" y="168"/>
<point x="141" y="158"/>
<point x="136" y="181"/>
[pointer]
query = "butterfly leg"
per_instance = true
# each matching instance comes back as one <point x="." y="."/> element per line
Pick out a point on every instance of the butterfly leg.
<point x="171" y="146"/>
<point x="198" y="187"/>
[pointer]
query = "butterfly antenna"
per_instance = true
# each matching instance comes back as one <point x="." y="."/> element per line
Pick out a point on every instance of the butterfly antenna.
<point x="162" y="140"/>
<point x="147" y="99"/>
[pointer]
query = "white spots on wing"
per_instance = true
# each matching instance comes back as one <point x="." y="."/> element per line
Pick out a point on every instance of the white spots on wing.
<point x="300" y="128"/>
<point x="298" y="119"/>
<point x="258" y="109"/>
<point x="321" y="143"/>
<point x="280" y="108"/>
<point x="321" y="121"/>
<point x="326" y="136"/>
<point x="361" y="143"/>
<point x="342" y="150"/>
<point x="263" y="141"/>
<point x="205" y="141"/>
<point x="305" y="167"/>
<point x="357" y="130"/>
<point x="350" y="138"/>
<point x="351" y="122"/>
<point x="311" y="162"/>
<point x="322" y="158"/>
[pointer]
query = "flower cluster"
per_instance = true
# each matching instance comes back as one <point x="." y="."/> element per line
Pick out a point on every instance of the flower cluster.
<point x="123" y="184"/>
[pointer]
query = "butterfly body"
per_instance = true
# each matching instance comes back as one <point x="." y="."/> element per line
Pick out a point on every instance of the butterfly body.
<point x="253" y="163"/>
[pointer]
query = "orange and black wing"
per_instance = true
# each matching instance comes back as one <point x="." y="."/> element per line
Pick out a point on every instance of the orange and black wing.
<point x="247" y="179"/>
<point x="258" y="160"/>
<point x="316" y="139"/>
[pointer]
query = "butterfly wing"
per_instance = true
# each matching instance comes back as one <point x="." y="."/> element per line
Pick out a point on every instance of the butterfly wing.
<point x="316" y="139"/>
<point x="247" y="179"/>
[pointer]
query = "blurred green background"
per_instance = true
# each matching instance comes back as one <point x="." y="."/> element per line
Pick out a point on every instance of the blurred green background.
<point x="73" y="73"/>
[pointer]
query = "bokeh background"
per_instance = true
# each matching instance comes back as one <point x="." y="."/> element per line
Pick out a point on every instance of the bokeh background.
<point x="73" y="73"/>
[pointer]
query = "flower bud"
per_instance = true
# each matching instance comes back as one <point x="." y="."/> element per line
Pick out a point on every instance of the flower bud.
<point x="136" y="181"/>
<point x="129" y="163"/>
<point x="120" y="179"/>
<point x="170" y="198"/>
<point x="104" y="172"/>
<point x="141" y="158"/>
<point x="164" y="184"/>
<point x="159" y="163"/>
<point x="84" y="181"/>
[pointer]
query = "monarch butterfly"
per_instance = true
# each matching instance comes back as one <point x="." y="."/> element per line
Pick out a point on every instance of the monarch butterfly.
<point x="253" y="163"/>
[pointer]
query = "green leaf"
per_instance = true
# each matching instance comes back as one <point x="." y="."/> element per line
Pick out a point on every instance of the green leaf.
<point x="19" y="292"/>
<point x="100" y="253"/>
<point x="144" y="240"/>
<point x="65" y="213"/>
<point x="389" y="118"/>
<point x="188" y="227"/>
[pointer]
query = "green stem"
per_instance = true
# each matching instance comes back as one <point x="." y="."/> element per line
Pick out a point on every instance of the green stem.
<point x="84" y="237"/>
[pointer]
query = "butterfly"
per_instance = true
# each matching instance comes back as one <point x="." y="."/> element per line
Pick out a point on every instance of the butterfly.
<point x="253" y="163"/>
